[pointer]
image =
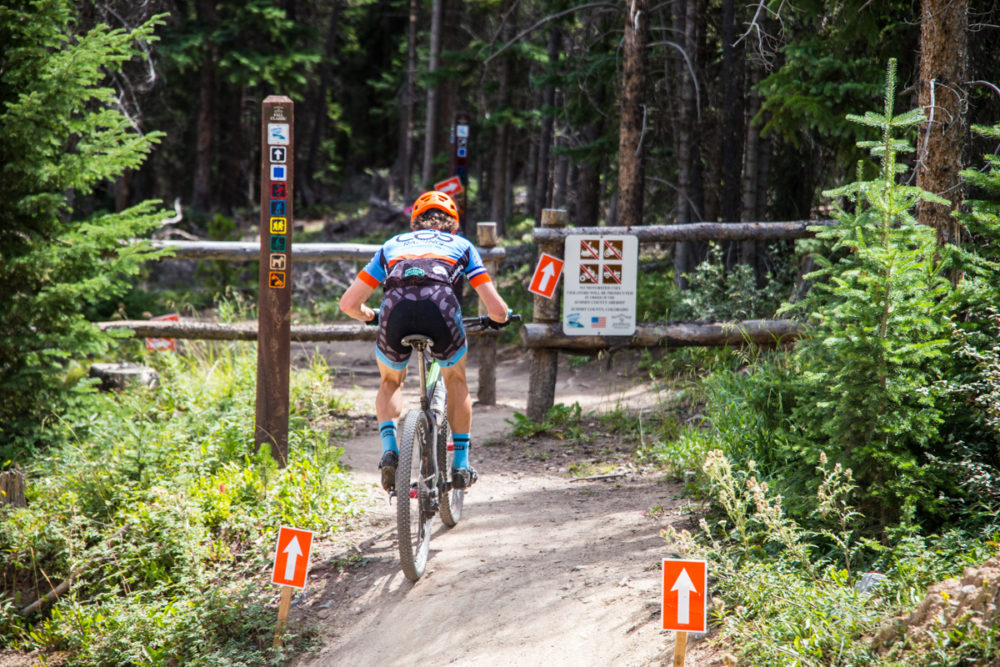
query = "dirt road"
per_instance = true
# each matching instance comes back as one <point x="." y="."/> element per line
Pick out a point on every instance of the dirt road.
<point x="543" y="569"/>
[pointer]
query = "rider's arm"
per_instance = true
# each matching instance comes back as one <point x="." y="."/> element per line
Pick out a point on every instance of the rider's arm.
<point x="353" y="301"/>
<point x="496" y="307"/>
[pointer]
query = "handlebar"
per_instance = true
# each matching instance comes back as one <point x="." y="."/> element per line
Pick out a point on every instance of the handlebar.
<point x="484" y="322"/>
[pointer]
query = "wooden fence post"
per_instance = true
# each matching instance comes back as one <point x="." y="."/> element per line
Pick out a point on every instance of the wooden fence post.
<point x="486" y="237"/>
<point x="544" y="362"/>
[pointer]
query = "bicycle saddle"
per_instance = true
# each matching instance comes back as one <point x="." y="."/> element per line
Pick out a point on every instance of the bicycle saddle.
<point x="414" y="339"/>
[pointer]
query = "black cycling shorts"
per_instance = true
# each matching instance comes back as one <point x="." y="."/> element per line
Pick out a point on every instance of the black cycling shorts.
<point x="432" y="310"/>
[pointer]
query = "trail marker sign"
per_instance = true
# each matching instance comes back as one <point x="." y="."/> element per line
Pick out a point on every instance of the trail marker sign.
<point x="546" y="277"/>
<point x="450" y="186"/>
<point x="163" y="344"/>
<point x="291" y="557"/>
<point x="600" y="285"/>
<point x="685" y="590"/>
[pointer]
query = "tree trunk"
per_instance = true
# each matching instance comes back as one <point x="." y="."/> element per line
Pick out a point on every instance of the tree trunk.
<point x="501" y="155"/>
<point x="588" y="195"/>
<point x="234" y="167"/>
<point x="751" y="176"/>
<point x="631" y="179"/>
<point x="205" y="125"/>
<point x="306" y="176"/>
<point x="431" y="119"/>
<point x="406" y="103"/>
<point x="542" y="180"/>
<point x="732" y="124"/>
<point x="941" y="143"/>
<point x="690" y="199"/>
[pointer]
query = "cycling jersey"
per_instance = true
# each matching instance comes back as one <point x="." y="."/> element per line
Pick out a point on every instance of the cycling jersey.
<point x="418" y="271"/>
<point x="448" y="257"/>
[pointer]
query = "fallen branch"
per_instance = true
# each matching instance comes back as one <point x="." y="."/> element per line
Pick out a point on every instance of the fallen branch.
<point x="611" y="475"/>
<point x="51" y="596"/>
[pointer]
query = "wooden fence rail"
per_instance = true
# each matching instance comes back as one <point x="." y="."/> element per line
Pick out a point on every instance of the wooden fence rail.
<point x="695" y="231"/>
<point x="670" y="334"/>
<point x="201" y="330"/>
<point x="545" y="337"/>
<point x="246" y="251"/>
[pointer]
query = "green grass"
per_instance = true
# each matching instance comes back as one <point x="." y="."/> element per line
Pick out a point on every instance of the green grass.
<point x="164" y="518"/>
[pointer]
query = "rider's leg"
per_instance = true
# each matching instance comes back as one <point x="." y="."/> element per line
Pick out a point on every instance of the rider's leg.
<point x="389" y="399"/>
<point x="459" y="401"/>
<point x="388" y="406"/>
<point x="460" y="417"/>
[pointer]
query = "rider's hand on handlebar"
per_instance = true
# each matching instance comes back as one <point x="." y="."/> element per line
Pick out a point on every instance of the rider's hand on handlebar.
<point x="493" y="324"/>
<point x="373" y="322"/>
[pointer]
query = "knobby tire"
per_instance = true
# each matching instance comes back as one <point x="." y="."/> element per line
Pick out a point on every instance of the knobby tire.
<point x="413" y="528"/>
<point x="451" y="501"/>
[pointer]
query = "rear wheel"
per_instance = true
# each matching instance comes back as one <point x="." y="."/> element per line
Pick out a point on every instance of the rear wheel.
<point x="413" y="520"/>
<point x="451" y="501"/>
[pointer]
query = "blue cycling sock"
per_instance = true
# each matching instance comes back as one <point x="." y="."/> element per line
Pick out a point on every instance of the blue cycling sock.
<point x="461" y="459"/>
<point x="388" y="431"/>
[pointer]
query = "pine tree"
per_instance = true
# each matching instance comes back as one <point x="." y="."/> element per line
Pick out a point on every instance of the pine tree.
<point x="871" y="371"/>
<point x="62" y="136"/>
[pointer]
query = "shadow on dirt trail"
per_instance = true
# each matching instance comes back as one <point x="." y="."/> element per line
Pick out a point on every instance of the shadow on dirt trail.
<point x="541" y="570"/>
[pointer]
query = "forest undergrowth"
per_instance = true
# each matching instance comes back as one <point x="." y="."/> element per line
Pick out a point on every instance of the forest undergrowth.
<point x="162" y="523"/>
<point x="851" y="472"/>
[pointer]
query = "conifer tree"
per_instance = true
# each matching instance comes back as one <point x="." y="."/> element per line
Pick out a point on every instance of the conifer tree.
<point x="62" y="136"/>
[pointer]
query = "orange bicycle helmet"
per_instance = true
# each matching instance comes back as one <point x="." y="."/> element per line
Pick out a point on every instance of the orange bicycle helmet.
<point x="434" y="200"/>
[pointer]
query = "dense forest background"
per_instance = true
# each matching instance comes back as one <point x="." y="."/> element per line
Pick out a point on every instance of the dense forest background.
<point x="722" y="110"/>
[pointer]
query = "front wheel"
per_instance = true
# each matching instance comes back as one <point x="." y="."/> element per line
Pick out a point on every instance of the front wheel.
<point x="413" y="486"/>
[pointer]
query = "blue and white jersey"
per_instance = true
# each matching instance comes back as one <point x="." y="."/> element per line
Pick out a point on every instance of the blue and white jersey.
<point x="458" y="254"/>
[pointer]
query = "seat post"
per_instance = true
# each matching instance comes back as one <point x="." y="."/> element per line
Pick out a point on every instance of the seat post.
<point x="420" y="344"/>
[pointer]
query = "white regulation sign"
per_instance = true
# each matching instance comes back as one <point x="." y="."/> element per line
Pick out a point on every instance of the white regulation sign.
<point x="599" y="285"/>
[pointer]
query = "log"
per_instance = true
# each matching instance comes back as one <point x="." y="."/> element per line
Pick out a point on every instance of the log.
<point x="247" y="251"/>
<point x="198" y="330"/>
<point x="673" y="334"/>
<point x="12" y="488"/>
<point x="695" y="231"/>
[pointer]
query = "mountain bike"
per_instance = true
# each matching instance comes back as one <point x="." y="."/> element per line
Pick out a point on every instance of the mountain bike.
<point x="425" y="456"/>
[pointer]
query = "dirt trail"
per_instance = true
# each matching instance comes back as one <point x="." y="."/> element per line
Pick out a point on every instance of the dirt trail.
<point x="542" y="570"/>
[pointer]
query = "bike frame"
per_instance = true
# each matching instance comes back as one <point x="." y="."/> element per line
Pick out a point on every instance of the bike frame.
<point x="422" y="487"/>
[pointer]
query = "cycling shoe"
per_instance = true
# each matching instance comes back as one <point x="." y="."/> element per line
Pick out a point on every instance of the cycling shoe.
<point x="463" y="478"/>
<point x="387" y="465"/>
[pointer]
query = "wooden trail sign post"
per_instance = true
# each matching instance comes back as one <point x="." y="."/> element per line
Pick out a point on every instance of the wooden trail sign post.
<point x="274" y="317"/>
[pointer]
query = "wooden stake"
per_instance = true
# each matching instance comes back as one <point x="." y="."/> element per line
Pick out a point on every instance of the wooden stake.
<point x="680" y="648"/>
<point x="283" y="607"/>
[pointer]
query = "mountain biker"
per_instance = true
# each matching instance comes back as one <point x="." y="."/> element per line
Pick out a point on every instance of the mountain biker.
<point x="418" y="271"/>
